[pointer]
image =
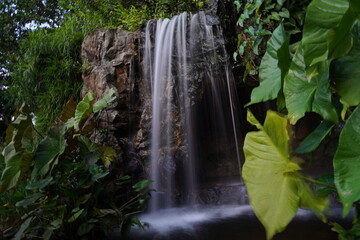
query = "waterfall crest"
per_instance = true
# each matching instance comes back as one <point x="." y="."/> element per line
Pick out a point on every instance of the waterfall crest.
<point x="193" y="103"/>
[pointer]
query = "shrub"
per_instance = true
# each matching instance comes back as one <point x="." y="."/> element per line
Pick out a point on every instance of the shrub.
<point x="64" y="186"/>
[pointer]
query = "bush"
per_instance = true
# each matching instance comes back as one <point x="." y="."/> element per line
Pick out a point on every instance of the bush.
<point x="64" y="186"/>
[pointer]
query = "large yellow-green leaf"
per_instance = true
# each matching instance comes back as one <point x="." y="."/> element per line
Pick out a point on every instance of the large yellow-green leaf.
<point x="346" y="71"/>
<point x="347" y="162"/>
<point x="321" y="17"/>
<point x="303" y="94"/>
<point x="275" y="189"/>
<point x="273" y="66"/>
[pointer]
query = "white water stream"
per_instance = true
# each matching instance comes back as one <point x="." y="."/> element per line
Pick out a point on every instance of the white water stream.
<point x="185" y="66"/>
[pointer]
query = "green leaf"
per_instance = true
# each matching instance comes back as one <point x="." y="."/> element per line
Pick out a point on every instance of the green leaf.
<point x="12" y="171"/>
<point x="142" y="185"/>
<point x="108" y="155"/>
<point x="84" y="228"/>
<point x="97" y="172"/>
<point x="17" y="161"/>
<point x="347" y="162"/>
<point x="351" y="234"/>
<point x="89" y="150"/>
<point x="305" y="95"/>
<point x="321" y="17"/>
<point x="84" y="198"/>
<point x="82" y="112"/>
<point x="24" y="226"/>
<point x="75" y="215"/>
<point x="273" y="66"/>
<point x="105" y="212"/>
<point x="29" y="200"/>
<point x="49" y="150"/>
<point x="18" y="128"/>
<point x="275" y="188"/>
<point x="27" y="140"/>
<point x="346" y="71"/>
<point x="324" y="191"/>
<point x="47" y="234"/>
<point x="108" y="98"/>
<point x="39" y="184"/>
<point x="340" y="40"/>
<point x="311" y="142"/>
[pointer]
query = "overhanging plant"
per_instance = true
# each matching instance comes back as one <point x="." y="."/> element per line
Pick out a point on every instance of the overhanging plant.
<point x="317" y="74"/>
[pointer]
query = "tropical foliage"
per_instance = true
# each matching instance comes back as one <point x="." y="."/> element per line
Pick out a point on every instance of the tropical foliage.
<point x="316" y="73"/>
<point x="40" y="53"/>
<point x="64" y="186"/>
<point x="257" y="21"/>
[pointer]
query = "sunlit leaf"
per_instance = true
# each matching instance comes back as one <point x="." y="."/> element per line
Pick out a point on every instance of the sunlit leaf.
<point x="347" y="162"/>
<point x="275" y="189"/>
<point x="108" y="155"/>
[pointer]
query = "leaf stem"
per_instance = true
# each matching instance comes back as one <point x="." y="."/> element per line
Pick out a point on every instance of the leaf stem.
<point x="42" y="137"/>
<point x="317" y="182"/>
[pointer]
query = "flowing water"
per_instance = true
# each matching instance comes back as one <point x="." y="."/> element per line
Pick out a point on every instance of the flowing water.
<point x="186" y="69"/>
<point x="194" y="122"/>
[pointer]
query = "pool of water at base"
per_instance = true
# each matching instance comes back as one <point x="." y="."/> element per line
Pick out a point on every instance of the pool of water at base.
<point x="228" y="223"/>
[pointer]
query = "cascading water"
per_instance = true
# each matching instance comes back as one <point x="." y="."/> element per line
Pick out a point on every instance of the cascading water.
<point x="193" y="123"/>
<point x="186" y="68"/>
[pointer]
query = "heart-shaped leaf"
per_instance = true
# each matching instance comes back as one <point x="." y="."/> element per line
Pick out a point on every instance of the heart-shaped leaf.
<point x="276" y="190"/>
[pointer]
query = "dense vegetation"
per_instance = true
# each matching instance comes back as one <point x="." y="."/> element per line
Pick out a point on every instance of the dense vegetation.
<point x="40" y="47"/>
<point x="314" y="72"/>
<point x="304" y="54"/>
<point x="62" y="186"/>
<point x="55" y="182"/>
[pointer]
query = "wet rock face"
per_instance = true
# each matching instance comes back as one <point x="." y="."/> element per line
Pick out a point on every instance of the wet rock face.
<point x="113" y="59"/>
<point x="110" y="60"/>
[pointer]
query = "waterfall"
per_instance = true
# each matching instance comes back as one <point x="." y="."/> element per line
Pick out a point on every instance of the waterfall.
<point x="193" y="101"/>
